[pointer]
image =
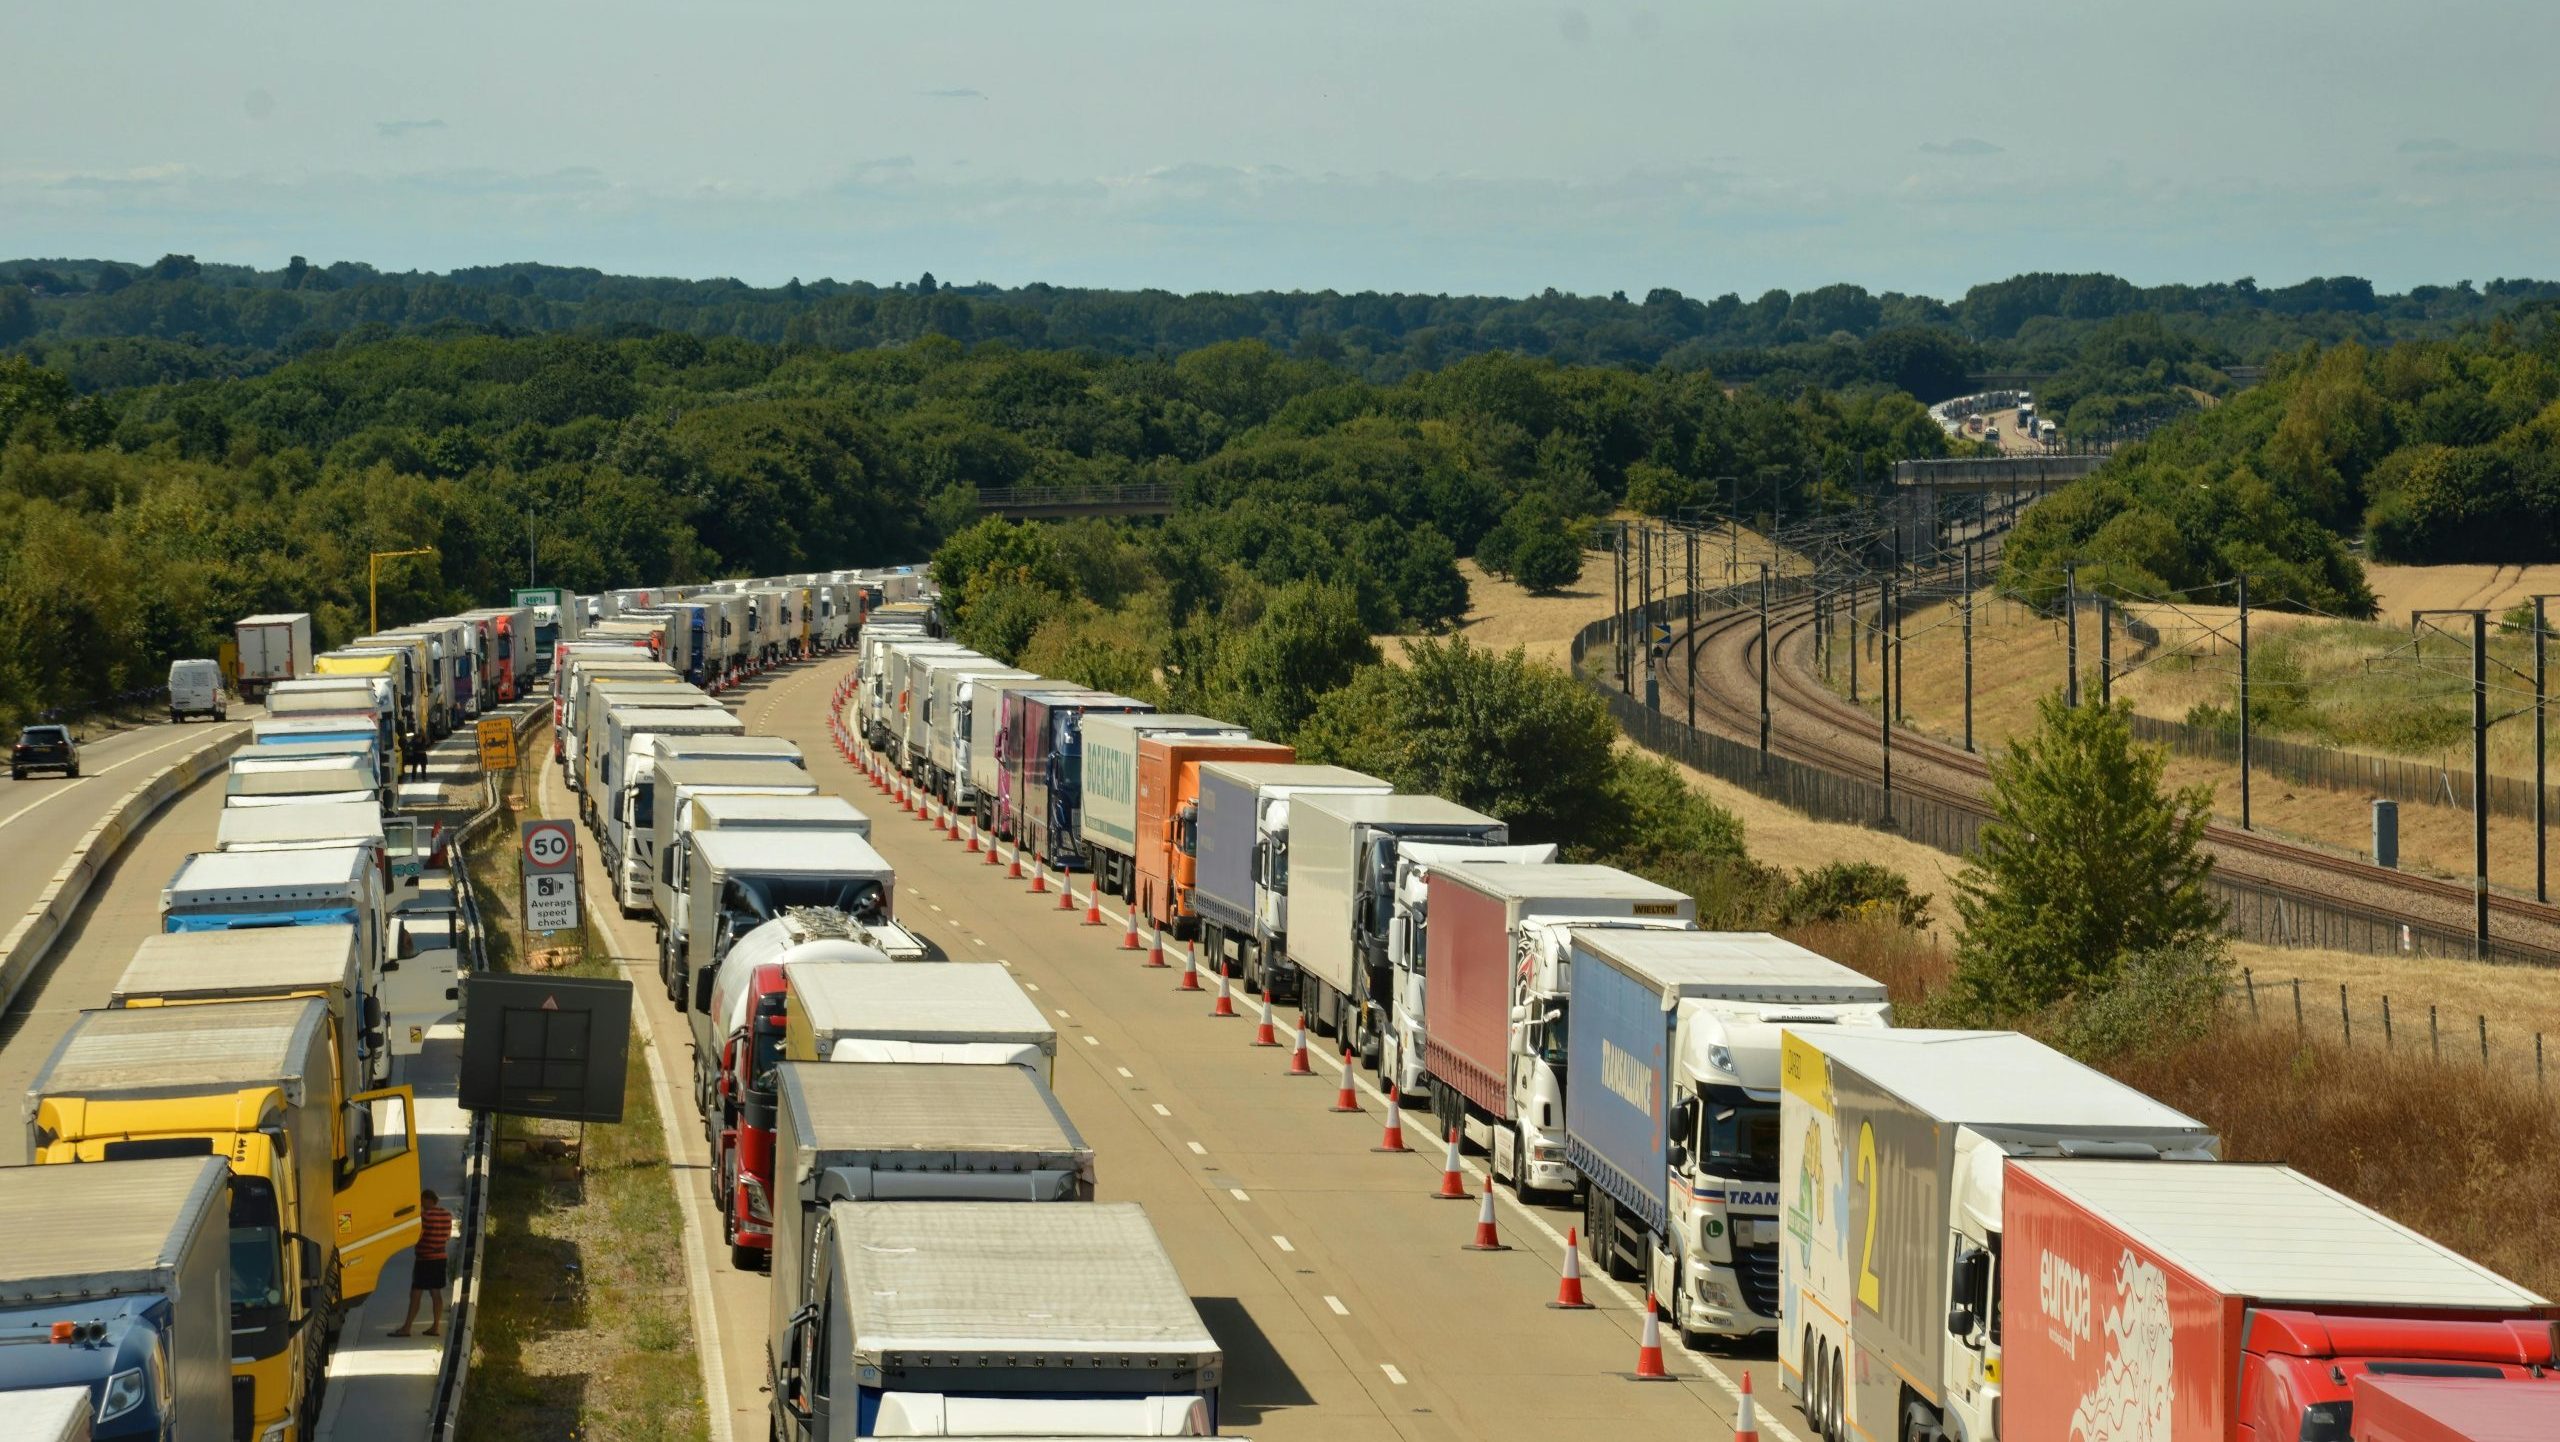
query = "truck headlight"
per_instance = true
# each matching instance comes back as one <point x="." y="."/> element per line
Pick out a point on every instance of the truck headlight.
<point x="124" y="1392"/>
<point x="1720" y="1056"/>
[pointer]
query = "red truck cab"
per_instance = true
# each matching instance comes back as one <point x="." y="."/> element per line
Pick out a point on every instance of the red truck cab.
<point x="2300" y="1371"/>
<point x="2454" y="1409"/>
<point x="742" y="1137"/>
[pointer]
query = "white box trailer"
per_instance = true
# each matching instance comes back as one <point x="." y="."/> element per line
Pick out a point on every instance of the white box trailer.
<point x="936" y="737"/>
<point x="955" y="729"/>
<point x="663" y="793"/>
<point x="1107" y="819"/>
<point x="961" y="1011"/>
<point x="975" y="1319"/>
<point x="196" y="968"/>
<point x="1343" y="851"/>
<point x="730" y="882"/>
<point x="273" y="647"/>
<point x="260" y="890"/>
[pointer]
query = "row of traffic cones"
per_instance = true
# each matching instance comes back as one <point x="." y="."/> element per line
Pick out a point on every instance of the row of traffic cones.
<point x="1650" y="1366"/>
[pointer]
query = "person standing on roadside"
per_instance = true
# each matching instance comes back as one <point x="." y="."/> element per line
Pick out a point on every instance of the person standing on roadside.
<point x="427" y="1264"/>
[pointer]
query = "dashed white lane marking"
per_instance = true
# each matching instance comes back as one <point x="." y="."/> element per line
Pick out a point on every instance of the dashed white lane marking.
<point x="1061" y="1011"/>
<point x="1335" y="1303"/>
<point x="1238" y="1194"/>
<point x="1126" y="1073"/>
<point x="937" y="908"/>
<point x="1281" y="1242"/>
<point x="980" y="940"/>
<point x="1028" y="985"/>
<point x="1162" y="1110"/>
<point x="1392" y="1374"/>
<point x="1197" y="1150"/>
<point x="1092" y="1041"/>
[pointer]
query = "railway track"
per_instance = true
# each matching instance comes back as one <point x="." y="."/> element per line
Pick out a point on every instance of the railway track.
<point x="1809" y="723"/>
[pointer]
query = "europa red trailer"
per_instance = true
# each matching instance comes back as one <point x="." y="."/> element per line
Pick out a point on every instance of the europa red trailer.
<point x="2454" y="1409"/>
<point x="2225" y="1303"/>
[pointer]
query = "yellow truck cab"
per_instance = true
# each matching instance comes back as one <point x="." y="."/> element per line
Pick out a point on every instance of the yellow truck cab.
<point x="324" y="1185"/>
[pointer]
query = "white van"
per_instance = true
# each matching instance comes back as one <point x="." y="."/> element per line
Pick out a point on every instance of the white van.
<point x="195" y="689"/>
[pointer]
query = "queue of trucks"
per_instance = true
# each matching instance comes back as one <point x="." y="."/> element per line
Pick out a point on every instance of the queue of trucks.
<point x="1944" y="1234"/>
<point x="875" y="1111"/>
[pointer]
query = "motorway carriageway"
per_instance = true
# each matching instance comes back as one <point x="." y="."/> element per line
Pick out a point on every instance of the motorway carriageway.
<point x="1332" y="1278"/>
<point x="44" y="816"/>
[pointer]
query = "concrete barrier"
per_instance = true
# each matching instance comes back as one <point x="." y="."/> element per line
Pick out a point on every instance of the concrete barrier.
<point x="27" y="943"/>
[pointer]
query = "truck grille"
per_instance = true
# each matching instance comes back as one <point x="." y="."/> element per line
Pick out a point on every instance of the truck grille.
<point x="1758" y="1269"/>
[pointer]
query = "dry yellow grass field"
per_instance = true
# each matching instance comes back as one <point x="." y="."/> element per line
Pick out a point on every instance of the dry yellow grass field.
<point x="2398" y="590"/>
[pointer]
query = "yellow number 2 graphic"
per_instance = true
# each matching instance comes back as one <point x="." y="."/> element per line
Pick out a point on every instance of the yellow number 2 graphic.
<point x="1871" y="1178"/>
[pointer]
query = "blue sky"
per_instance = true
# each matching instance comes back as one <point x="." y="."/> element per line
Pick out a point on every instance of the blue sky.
<point x="1422" y="145"/>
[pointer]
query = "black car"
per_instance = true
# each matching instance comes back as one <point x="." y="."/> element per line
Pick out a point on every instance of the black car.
<point x="44" y="748"/>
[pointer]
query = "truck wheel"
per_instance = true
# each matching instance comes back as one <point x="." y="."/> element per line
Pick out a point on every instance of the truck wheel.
<point x="1919" y="1424"/>
<point x="1839" y="1399"/>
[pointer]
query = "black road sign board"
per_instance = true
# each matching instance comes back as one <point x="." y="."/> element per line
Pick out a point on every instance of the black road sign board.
<point x="535" y="1046"/>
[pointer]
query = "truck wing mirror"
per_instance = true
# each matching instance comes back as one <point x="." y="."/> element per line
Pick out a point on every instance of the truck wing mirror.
<point x="1679" y="1156"/>
<point x="702" y="989"/>
<point x="1960" y="1321"/>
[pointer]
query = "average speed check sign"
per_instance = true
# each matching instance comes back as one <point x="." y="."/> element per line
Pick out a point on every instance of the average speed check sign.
<point x="550" y="876"/>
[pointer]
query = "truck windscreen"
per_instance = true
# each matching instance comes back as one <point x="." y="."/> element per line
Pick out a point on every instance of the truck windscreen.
<point x="1741" y="1136"/>
<point x="258" y="1312"/>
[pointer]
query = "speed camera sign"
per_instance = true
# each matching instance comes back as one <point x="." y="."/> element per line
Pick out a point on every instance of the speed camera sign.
<point x="550" y="846"/>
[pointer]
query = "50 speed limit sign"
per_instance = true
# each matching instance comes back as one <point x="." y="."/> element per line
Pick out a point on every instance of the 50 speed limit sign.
<point x="550" y="877"/>
<point x="550" y="846"/>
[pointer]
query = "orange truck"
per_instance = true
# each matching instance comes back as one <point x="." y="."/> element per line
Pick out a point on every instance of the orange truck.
<point x="1168" y="801"/>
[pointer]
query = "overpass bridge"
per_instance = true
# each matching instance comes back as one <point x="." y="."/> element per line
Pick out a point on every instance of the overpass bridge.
<point x="1058" y="503"/>
<point x="2002" y="483"/>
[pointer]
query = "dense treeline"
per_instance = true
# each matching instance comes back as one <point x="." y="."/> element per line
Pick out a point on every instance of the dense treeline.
<point x="135" y="524"/>
<point x="109" y="323"/>
<point x="2434" y="451"/>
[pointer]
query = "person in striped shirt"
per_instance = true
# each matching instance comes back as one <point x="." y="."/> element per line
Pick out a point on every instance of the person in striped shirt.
<point x="426" y="1266"/>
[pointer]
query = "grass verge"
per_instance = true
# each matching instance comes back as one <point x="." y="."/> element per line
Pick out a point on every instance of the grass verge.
<point x="583" y="1329"/>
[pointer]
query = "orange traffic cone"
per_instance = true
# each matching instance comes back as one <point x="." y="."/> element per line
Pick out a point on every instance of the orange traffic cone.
<point x="1226" y="1001"/>
<point x="1093" y="907"/>
<point x="1039" y="873"/>
<point x="973" y="838"/>
<point x="1348" y="1100"/>
<point x="1393" y="1141"/>
<point x="1649" y="1366"/>
<point x="1190" y="970"/>
<point x="1264" y="1034"/>
<point x="1486" y="1240"/>
<point x="1746" y="1422"/>
<point x="1453" y="1182"/>
<point x="1013" y="869"/>
<point x="1155" y="944"/>
<point x="1129" y="938"/>
<point x="1066" y="892"/>
<point x="1298" y="1057"/>
<point x="1569" y="1289"/>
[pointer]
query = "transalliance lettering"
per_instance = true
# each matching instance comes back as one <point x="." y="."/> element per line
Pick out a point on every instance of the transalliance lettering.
<point x="1629" y="1078"/>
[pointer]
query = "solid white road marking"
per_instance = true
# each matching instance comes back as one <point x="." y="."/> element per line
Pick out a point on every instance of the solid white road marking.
<point x="1335" y="1303"/>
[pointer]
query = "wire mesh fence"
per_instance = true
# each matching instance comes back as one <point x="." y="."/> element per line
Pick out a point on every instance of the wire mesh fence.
<point x="2369" y="1018"/>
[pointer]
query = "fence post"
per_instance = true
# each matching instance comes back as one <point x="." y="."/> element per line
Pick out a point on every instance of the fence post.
<point x="2297" y="1008"/>
<point x="2484" y="1038"/>
<point x="2386" y="1021"/>
<point x="2251" y="983"/>
<point x="2346" y="1023"/>
<point x="2435" y="1039"/>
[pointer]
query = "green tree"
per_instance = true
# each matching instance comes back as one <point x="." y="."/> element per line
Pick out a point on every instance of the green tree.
<point x="17" y="313"/>
<point x="1493" y="730"/>
<point x="2087" y="860"/>
<point x="1308" y="642"/>
<point x="1547" y="560"/>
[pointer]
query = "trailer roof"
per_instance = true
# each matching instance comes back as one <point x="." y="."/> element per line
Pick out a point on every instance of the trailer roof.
<point x="317" y="821"/>
<point x="1530" y="880"/>
<point x="772" y="850"/>
<point x="1300" y="775"/>
<point x="953" y="998"/>
<point x="1158" y="723"/>
<point x="274" y="618"/>
<point x="2275" y="1236"/>
<point x="924" y="1107"/>
<point x="1994" y="1079"/>
<point x="734" y="771"/>
<point x="284" y="958"/>
<point x="267" y="872"/>
<point x="1400" y="810"/>
<point x="1739" y="965"/>
<point x="825" y="812"/>
<point x="731" y="746"/>
<point x="194" y="1048"/>
<point x="1011" y="1276"/>
<point x="83" y="1230"/>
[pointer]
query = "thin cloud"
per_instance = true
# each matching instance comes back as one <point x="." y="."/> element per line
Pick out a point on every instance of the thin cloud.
<point x="961" y="92"/>
<point x="2428" y="145"/>
<point x="1961" y="145"/>
<point x="402" y="129"/>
